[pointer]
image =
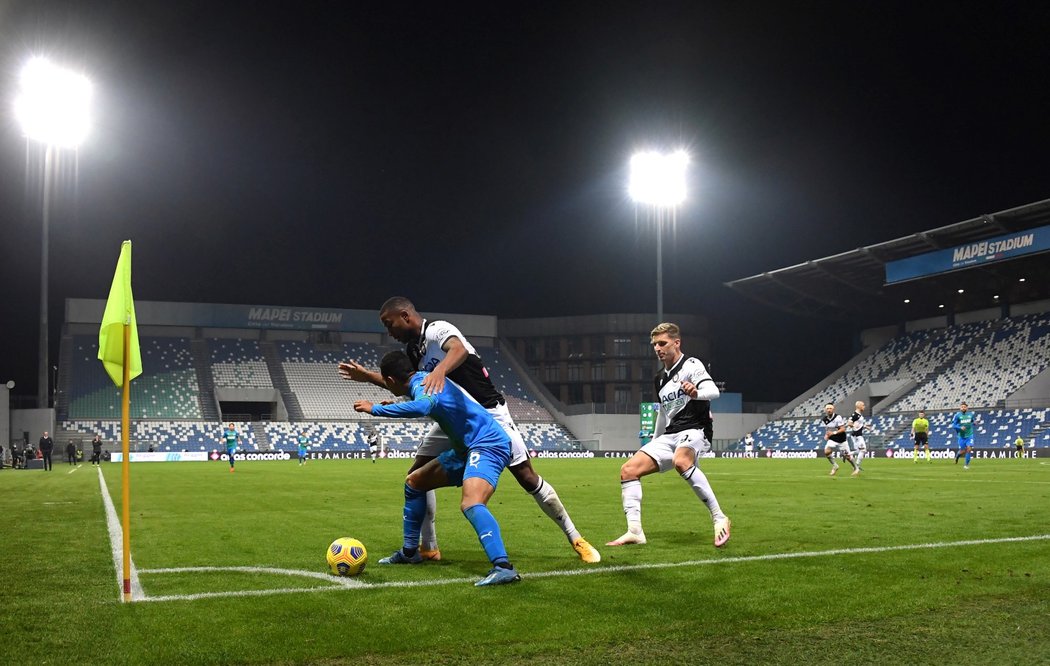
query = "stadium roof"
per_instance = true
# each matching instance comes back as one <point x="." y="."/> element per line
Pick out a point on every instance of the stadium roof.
<point x="851" y="286"/>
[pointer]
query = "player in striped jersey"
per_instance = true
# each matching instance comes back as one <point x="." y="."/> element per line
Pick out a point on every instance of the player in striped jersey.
<point x="683" y="431"/>
<point x="440" y="349"/>
<point x="855" y="429"/>
<point x="835" y="439"/>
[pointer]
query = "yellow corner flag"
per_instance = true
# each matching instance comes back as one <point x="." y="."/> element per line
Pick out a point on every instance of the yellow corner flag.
<point x="120" y="311"/>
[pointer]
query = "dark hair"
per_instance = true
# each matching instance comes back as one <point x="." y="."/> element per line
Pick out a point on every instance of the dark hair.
<point x="396" y="303"/>
<point x="397" y="365"/>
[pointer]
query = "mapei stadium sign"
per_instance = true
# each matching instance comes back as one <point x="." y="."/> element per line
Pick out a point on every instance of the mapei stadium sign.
<point x="989" y="250"/>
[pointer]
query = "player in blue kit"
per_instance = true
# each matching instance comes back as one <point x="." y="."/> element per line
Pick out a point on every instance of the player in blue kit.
<point x="480" y="451"/>
<point x="963" y="423"/>
<point x="230" y="435"/>
<point x="303" y="445"/>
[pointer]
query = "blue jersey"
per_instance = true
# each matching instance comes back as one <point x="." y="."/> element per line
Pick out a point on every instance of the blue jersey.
<point x="467" y="423"/>
<point x="963" y="424"/>
<point x="231" y="439"/>
<point x="302" y="445"/>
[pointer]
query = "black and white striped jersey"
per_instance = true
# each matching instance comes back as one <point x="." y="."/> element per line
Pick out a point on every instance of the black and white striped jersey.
<point x="471" y="375"/>
<point x="832" y="424"/>
<point x="678" y="411"/>
<point x="857" y="423"/>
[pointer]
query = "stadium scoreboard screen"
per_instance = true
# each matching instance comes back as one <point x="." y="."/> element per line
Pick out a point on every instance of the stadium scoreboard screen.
<point x="647" y="412"/>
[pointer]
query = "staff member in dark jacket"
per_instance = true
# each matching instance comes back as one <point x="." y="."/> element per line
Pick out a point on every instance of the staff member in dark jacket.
<point x="46" y="445"/>
<point x="96" y="450"/>
<point x="71" y="454"/>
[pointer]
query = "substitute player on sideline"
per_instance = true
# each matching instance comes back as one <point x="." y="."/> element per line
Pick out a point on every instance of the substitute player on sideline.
<point x="440" y="349"/>
<point x="856" y="426"/>
<point x="683" y="431"/>
<point x="835" y="439"/>
<point x="480" y="449"/>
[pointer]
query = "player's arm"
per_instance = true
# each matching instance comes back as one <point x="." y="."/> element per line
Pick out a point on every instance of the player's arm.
<point x="354" y="371"/>
<point x="412" y="409"/>
<point x="455" y="354"/>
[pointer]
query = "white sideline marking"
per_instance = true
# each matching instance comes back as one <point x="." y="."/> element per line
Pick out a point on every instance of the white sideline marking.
<point x="73" y="470"/>
<point x="116" y="541"/>
<point x="343" y="584"/>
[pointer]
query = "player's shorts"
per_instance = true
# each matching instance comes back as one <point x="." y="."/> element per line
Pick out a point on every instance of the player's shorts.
<point x="922" y="439"/>
<point x="965" y="442"/>
<point x="661" y="449"/>
<point x="373" y="450"/>
<point x="859" y="444"/>
<point x="831" y="446"/>
<point x="1019" y="446"/>
<point x="436" y="441"/>
<point x="749" y="449"/>
<point x="483" y="462"/>
<point x="302" y="455"/>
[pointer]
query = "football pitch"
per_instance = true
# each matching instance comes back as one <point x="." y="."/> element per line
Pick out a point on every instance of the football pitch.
<point x="909" y="563"/>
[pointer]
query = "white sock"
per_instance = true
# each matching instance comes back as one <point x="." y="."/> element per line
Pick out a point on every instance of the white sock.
<point x="702" y="487"/>
<point x="428" y="533"/>
<point x="860" y="456"/>
<point x="631" y="493"/>
<point x="548" y="499"/>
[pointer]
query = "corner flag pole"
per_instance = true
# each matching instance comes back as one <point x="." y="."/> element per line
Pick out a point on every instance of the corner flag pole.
<point x="125" y="410"/>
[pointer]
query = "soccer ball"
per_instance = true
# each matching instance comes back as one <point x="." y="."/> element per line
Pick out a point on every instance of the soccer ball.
<point x="346" y="557"/>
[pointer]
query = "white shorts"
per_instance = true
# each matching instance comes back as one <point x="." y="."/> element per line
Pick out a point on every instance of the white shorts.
<point x="831" y="446"/>
<point x="436" y="442"/>
<point x="661" y="449"/>
<point x="859" y="444"/>
<point x="373" y="449"/>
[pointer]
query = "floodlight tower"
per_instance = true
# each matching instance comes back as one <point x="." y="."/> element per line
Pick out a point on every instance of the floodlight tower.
<point x="657" y="182"/>
<point x="54" y="108"/>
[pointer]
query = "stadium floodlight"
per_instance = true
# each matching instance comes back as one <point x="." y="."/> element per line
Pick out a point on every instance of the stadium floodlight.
<point x="907" y="300"/>
<point x="658" y="179"/>
<point x="54" y="108"/>
<point x="54" y="104"/>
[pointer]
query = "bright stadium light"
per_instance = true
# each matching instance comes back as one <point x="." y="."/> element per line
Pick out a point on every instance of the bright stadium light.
<point x="54" y="104"/>
<point x="657" y="182"/>
<point x="658" y="179"/>
<point x="54" y="108"/>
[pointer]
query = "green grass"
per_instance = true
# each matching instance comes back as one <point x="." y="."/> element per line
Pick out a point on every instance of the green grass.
<point x="984" y="603"/>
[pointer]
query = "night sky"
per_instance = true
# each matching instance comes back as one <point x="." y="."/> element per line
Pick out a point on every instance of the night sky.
<point x="474" y="158"/>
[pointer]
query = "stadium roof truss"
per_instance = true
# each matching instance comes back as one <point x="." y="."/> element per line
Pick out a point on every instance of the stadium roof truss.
<point x="851" y="286"/>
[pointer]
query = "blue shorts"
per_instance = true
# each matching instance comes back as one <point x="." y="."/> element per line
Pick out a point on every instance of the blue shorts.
<point x="965" y="441"/>
<point x="486" y="462"/>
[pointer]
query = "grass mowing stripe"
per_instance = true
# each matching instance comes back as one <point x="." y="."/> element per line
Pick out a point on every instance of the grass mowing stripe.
<point x="354" y="584"/>
<point x="116" y="541"/>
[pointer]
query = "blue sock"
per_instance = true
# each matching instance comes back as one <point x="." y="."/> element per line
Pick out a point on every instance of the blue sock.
<point x="484" y="523"/>
<point x="415" y="509"/>
<point x="967" y="458"/>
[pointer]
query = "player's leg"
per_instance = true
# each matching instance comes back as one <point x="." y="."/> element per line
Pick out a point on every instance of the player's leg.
<point x="969" y="454"/>
<point x="434" y="443"/>
<point x="915" y="452"/>
<point x="419" y="482"/>
<point x="542" y="491"/>
<point x="829" y="452"/>
<point x="484" y="465"/>
<point x="656" y="456"/>
<point x="860" y="449"/>
<point x="688" y="448"/>
<point x="928" y="452"/>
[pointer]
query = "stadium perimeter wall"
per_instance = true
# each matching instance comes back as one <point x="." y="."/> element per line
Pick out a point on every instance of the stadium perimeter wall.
<point x="619" y="432"/>
<point x="33" y="421"/>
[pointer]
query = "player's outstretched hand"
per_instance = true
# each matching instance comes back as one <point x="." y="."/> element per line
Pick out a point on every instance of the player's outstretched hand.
<point x="434" y="383"/>
<point x="363" y="406"/>
<point x="353" y="371"/>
